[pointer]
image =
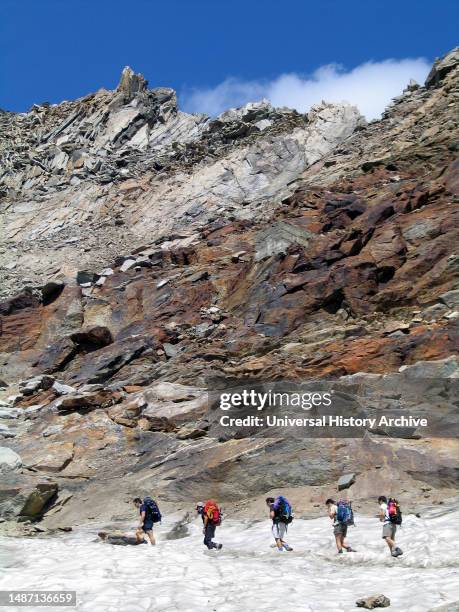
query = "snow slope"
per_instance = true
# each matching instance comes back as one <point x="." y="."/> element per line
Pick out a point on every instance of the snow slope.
<point x="247" y="574"/>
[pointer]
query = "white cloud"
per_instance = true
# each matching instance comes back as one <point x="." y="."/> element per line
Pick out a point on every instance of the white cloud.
<point x="370" y="86"/>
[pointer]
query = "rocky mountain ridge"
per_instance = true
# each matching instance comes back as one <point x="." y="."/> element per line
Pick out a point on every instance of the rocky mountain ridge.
<point x="118" y="168"/>
<point x="146" y="250"/>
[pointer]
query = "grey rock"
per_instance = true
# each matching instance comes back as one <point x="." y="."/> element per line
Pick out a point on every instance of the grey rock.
<point x="444" y="368"/>
<point x="346" y="481"/>
<point x="5" y="432"/>
<point x="30" y="410"/>
<point x="277" y="238"/>
<point x="8" y="413"/>
<point x="170" y="349"/>
<point x="162" y="283"/>
<point x="441" y="68"/>
<point x="180" y="529"/>
<point x="451" y="298"/>
<point x="22" y="497"/>
<point x="31" y="386"/>
<point x="118" y="538"/>
<point x="434" y="312"/>
<point x="127" y="265"/>
<point x="9" y="460"/>
<point x="131" y="83"/>
<point x="61" y="389"/>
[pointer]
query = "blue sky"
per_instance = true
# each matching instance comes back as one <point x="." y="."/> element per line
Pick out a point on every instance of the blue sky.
<point x="217" y="53"/>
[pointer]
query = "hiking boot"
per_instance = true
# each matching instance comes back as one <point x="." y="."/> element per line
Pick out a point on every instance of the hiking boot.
<point x="340" y="552"/>
<point x="287" y="547"/>
<point x="399" y="551"/>
<point x="281" y="549"/>
<point x="350" y="549"/>
<point x="219" y="546"/>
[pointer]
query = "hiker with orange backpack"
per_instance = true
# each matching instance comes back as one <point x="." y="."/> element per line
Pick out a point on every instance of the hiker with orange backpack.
<point x="211" y="516"/>
<point x="390" y="516"/>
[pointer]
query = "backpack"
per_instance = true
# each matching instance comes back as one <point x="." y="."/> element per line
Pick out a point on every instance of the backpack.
<point x="151" y="510"/>
<point x="394" y="512"/>
<point x="283" y="510"/>
<point x="213" y="512"/>
<point x="345" y="514"/>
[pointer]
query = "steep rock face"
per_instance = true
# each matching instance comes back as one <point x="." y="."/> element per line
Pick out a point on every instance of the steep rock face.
<point x="117" y="169"/>
<point x="262" y="244"/>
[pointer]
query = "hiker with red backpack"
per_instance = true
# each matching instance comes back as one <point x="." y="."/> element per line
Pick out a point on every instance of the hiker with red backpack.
<point x="342" y="516"/>
<point x="149" y="514"/>
<point x="391" y="516"/>
<point x="280" y="512"/>
<point x="211" y="516"/>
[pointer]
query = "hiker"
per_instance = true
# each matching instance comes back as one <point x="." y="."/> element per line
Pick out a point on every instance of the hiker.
<point x="280" y="512"/>
<point x="341" y="520"/>
<point x="149" y="514"/>
<point x="390" y="515"/>
<point x="211" y="516"/>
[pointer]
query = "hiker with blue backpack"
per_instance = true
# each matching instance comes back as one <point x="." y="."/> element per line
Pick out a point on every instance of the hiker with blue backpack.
<point x="149" y="515"/>
<point x="280" y="512"/>
<point x="342" y="516"/>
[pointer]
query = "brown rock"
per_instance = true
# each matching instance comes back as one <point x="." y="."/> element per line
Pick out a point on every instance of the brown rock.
<point x="376" y="601"/>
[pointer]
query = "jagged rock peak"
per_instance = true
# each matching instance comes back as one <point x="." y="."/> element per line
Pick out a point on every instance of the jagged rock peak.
<point x="441" y="67"/>
<point x="131" y="83"/>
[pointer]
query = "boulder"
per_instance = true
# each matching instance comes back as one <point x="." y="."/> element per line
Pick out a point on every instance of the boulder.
<point x="178" y="411"/>
<point x="451" y="298"/>
<point x="24" y="497"/>
<point x="38" y="499"/>
<point x="117" y="538"/>
<point x="9" y="460"/>
<point x="376" y="601"/>
<point x="346" y="481"/>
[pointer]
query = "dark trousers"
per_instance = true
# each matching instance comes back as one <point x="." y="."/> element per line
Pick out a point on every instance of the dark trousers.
<point x="209" y="534"/>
